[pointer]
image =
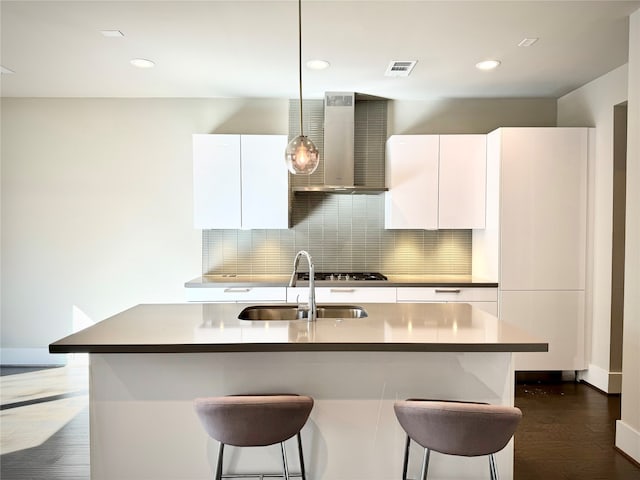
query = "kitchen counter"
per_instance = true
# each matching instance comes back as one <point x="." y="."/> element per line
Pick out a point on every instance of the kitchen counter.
<point x="393" y="281"/>
<point x="403" y="327"/>
<point x="148" y="364"/>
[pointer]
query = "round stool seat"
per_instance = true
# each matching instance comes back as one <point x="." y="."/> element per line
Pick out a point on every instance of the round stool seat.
<point x="253" y="420"/>
<point x="458" y="428"/>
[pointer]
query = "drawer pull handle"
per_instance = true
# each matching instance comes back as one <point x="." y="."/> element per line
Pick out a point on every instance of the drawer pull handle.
<point x="237" y="290"/>
<point x="447" y="290"/>
<point x="342" y="290"/>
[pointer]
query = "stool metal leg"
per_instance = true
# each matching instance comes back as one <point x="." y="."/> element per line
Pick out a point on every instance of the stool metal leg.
<point x="284" y="461"/>
<point x="302" y="472"/>
<point x="425" y="464"/>
<point x="219" y="466"/>
<point x="493" y="469"/>
<point x="285" y="465"/>
<point x="405" y="463"/>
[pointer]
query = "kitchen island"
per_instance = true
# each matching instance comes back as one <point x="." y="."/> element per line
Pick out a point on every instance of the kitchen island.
<point x="147" y="364"/>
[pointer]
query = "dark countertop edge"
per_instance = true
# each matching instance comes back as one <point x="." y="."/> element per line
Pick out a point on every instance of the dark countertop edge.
<point x="320" y="284"/>
<point x="303" y="347"/>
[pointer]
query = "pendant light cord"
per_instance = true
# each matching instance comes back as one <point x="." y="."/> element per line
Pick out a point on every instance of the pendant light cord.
<point x="300" y="59"/>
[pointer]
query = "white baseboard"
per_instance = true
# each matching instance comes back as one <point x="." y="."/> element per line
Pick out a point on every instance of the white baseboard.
<point x="608" y="382"/>
<point x="628" y="440"/>
<point x="32" y="357"/>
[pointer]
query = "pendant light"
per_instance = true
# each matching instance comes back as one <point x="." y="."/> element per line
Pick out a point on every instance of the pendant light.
<point x="301" y="155"/>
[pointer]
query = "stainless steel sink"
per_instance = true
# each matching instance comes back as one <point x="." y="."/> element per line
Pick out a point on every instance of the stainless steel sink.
<point x="288" y="312"/>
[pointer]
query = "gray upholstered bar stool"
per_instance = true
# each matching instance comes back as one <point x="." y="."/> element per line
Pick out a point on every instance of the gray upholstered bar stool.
<point x="456" y="428"/>
<point x="255" y="421"/>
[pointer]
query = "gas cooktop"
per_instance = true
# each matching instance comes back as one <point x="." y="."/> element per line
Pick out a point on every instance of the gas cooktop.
<point x="344" y="276"/>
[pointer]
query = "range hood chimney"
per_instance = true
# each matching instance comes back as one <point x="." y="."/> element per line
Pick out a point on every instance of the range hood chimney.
<point x="339" y="138"/>
<point x="339" y="146"/>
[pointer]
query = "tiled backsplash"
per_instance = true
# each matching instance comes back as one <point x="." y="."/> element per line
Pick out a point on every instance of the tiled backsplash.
<point x="341" y="232"/>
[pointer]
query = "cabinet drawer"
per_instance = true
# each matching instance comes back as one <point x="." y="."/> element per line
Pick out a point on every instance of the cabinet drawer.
<point x="237" y="294"/>
<point x="447" y="294"/>
<point x="344" y="294"/>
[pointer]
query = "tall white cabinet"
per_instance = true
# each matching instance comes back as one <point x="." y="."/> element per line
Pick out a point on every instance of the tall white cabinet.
<point x="240" y="181"/>
<point x="536" y="232"/>
<point x="435" y="182"/>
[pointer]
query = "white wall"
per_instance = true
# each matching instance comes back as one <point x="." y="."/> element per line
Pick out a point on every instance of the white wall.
<point x="628" y="428"/>
<point x="469" y="115"/>
<point x="592" y="106"/>
<point x="97" y="207"/>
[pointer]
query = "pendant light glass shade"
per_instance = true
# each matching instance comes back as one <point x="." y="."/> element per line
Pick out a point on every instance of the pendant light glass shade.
<point x="302" y="156"/>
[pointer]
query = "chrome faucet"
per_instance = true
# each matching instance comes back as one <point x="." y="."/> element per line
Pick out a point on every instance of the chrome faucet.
<point x="312" y="282"/>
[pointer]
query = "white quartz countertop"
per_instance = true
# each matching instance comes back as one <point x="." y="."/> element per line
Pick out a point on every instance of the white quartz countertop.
<point x="210" y="327"/>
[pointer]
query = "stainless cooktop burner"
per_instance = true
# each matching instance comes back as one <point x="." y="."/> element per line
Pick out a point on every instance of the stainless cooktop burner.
<point x="343" y="276"/>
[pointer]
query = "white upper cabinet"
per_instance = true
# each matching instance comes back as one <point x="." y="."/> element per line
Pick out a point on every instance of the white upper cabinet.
<point x="543" y="214"/>
<point x="462" y="181"/>
<point x="265" y="192"/>
<point x="216" y="181"/>
<point x="436" y="181"/>
<point x="412" y="178"/>
<point x="240" y="181"/>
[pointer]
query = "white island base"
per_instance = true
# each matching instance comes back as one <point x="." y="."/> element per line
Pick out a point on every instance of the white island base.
<point x="143" y="425"/>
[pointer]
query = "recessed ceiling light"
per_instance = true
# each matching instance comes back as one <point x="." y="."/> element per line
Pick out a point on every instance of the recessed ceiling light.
<point x="5" y="70"/>
<point x="318" y="64"/>
<point x="487" y="65"/>
<point x="142" y="63"/>
<point x="527" y="42"/>
<point x="111" y="33"/>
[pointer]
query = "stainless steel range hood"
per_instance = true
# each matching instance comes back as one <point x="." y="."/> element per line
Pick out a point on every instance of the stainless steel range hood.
<point x="339" y="146"/>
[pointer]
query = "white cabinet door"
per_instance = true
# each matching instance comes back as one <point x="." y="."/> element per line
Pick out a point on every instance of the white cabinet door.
<point x="447" y="294"/>
<point x="462" y="181"/>
<point x="265" y="200"/>
<point x="344" y="294"/>
<point x="216" y="181"/>
<point x="240" y="181"/>
<point x="543" y="208"/>
<point x="412" y="179"/>
<point x="484" y="298"/>
<point x="554" y="317"/>
<point x="237" y="294"/>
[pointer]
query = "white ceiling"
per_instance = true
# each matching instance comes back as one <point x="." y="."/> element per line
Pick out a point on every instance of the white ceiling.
<point x="249" y="49"/>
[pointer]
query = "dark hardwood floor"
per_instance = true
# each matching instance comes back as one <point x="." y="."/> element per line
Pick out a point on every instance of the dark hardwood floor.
<point x="567" y="432"/>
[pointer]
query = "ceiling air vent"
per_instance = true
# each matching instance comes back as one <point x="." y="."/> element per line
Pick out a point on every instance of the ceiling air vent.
<point x="400" y="68"/>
